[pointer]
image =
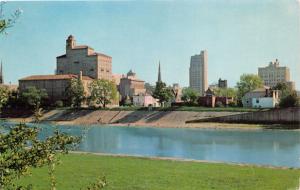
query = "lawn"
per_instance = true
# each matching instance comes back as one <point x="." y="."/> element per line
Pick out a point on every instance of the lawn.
<point x="128" y="173"/>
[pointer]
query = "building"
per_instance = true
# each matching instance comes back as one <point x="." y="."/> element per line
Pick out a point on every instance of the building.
<point x="116" y="78"/>
<point x="222" y="83"/>
<point x="130" y="85"/>
<point x="83" y="58"/>
<point x="177" y="91"/>
<point x="145" y="100"/>
<point x="261" y="98"/>
<point x="274" y="74"/>
<point x="1" y="75"/>
<point x="198" y="72"/>
<point x="55" y="85"/>
<point x="211" y="100"/>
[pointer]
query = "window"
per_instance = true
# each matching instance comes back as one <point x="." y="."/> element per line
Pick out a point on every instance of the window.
<point x="92" y="69"/>
<point x="257" y="100"/>
<point x="76" y="62"/>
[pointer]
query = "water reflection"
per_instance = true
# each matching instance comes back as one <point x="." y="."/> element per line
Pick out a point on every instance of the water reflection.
<point x="268" y="147"/>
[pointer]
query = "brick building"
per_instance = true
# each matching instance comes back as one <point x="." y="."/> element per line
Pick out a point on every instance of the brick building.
<point x="55" y="85"/>
<point x="83" y="58"/>
<point x="130" y="85"/>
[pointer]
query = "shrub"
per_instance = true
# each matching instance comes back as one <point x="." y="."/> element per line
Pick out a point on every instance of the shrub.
<point x="59" y="104"/>
<point x="290" y="100"/>
<point x="219" y="104"/>
<point x="232" y="104"/>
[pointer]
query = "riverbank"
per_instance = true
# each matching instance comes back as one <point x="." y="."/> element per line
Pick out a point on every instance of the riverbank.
<point x="144" y="173"/>
<point x="168" y="119"/>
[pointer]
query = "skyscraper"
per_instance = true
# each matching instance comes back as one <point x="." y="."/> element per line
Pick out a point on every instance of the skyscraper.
<point x="198" y="72"/>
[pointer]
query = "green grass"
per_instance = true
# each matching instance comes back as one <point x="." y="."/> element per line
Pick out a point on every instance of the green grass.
<point x="127" y="173"/>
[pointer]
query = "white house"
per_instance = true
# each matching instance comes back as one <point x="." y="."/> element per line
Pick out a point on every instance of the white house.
<point x="261" y="98"/>
<point x="145" y="100"/>
<point x="264" y="102"/>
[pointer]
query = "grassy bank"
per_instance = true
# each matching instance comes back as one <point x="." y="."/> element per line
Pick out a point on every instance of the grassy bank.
<point x="77" y="171"/>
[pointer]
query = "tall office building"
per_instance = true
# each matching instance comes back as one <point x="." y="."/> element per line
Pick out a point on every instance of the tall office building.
<point x="274" y="74"/>
<point x="198" y="72"/>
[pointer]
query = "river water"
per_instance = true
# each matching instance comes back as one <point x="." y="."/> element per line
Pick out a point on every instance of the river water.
<point x="263" y="147"/>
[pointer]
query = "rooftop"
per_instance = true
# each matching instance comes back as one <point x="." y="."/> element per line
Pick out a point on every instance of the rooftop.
<point x="53" y="77"/>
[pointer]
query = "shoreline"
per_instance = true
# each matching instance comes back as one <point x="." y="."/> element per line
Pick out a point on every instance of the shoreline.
<point x="177" y="159"/>
<point x="204" y="125"/>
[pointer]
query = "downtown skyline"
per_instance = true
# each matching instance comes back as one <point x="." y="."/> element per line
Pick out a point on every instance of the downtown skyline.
<point x="239" y="37"/>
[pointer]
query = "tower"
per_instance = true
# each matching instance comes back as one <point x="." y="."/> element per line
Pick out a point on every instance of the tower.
<point x="198" y="72"/>
<point x="70" y="43"/>
<point x="1" y="75"/>
<point x="159" y="74"/>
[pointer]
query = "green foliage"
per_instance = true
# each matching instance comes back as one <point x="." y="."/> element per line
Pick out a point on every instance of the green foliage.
<point x="6" y="23"/>
<point x="99" y="184"/>
<point x="288" y="97"/>
<point x="75" y="93"/>
<point x="247" y="83"/>
<point x="21" y="150"/>
<point x="189" y="95"/>
<point x="34" y="97"/>
<point x="59" y="104"/>
<point x="4" y="96"/>
<point x="225" y="92"/>
<point x="290" y="100"/>
<point x="162" y="92"/>
<point x="103" y="92"/>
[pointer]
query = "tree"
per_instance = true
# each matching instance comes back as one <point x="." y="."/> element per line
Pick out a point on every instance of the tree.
<point x="225" y="92"/>
<point x="103" y="92"/>
<point x="21" y="150"/>
<point x="284" y="89"/>
<point x="247" y="83"/>
<point x="34" y="97"/>
<point x="290" y="100"/>
<point x="75" y="93"/>
<point x="4" y="96"/>
<point x="6" y="23"/>
<point x="288" y="97"/>
<point x="189" y="95"/>
<point x="162" y="92"/>
<point x="149" y="88"/>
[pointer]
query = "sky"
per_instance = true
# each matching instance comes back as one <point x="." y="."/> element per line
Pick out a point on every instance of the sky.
<point x="239" y="35"/>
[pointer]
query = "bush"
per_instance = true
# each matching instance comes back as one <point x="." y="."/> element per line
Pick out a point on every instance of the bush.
<point x="232" y="104"/>
<point x="59" y="104"/>
<point x="290" y="100"/>
<point x="219" y="104"/>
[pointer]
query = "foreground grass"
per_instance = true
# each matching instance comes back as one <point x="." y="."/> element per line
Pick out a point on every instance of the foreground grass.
<point x="127" y="173"/>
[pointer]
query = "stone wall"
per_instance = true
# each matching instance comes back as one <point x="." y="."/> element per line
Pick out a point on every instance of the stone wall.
<point x="274" y="116"/>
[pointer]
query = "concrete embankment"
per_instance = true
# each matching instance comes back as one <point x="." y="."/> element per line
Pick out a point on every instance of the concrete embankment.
<point x="274" y="116"/>
<point x="143" y="118"/>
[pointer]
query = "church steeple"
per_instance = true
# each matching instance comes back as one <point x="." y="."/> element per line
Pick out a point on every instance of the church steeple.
<point x="159" y="74"/>
<point x="1" y="75"/>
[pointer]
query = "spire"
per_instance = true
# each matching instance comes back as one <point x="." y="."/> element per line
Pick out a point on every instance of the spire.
<point x="159" y="74"/>
<point x="1" y="74"/>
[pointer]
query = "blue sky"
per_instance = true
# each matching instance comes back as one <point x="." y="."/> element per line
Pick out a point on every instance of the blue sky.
<point x="239" y="36"/>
